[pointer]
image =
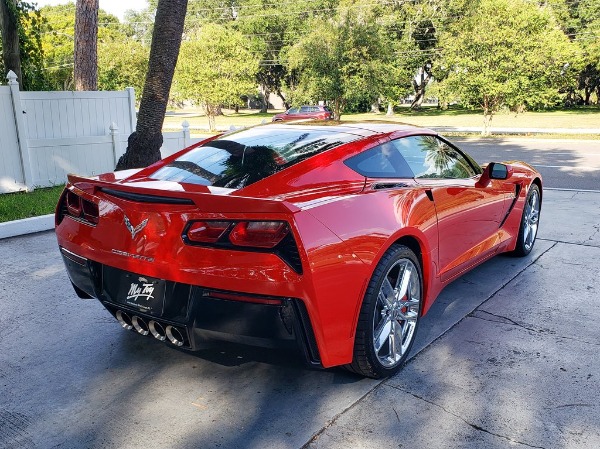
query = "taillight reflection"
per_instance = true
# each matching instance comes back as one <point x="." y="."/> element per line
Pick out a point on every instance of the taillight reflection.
<point x="207" y="231"/>
<point x="258" y="234"/>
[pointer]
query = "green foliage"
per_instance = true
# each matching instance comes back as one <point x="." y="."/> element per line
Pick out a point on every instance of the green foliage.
<point x="122" y="61"/>
<point x="215" y="67"/>
<point x="507" y="53"/>
<point x="342" y="60"/>
<point x="30" y="25"/>
<point x="139" y="25"/>
<point x="122" y="64"/>
<point x="57" y="41"/>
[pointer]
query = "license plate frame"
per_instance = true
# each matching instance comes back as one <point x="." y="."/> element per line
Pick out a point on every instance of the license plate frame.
<point x="143" y="293"/>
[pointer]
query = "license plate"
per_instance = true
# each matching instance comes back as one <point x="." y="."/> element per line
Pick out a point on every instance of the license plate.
<point x="143" y="293"/>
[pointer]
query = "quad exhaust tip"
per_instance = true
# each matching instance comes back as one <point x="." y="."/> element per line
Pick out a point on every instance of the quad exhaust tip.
<point x="140" y="325"/>
<point x="157" y="330"/>
<point x="124" y="319"/>
<point x="143" y="327"/>
<point x="174" y="336"/>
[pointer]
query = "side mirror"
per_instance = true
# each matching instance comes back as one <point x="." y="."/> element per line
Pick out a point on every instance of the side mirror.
<point x="494" y="170"/>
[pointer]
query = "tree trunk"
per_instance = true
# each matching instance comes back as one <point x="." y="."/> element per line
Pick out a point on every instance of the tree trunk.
<point x="420" y="86"/>
<point x="9" y="25"/>
<point x="337" y="108"/>
<point x="375" y="107"/>
<point x="212" y="127"/>
<point x="390" y="109"/>
<point x="85" y="70"/>
<point x="144" y="144"/>
<point x="487" y="118"/>
<point x="419" y="97"/>
<point x="587" y="94"/>
<point x="285" y="102"/>
<point x="211" y="112"/>
<point x="265" y="106"/>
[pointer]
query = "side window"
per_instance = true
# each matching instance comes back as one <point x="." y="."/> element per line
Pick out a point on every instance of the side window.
<point x="304" y="109"/>
<point x="382" y="161"/>
<point x="292" y="111"/>
<point x="430" y="157"/>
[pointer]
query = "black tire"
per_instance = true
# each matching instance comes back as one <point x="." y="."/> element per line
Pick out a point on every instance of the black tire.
<point x="398" y="266"/>
<point x="529" y="222"/>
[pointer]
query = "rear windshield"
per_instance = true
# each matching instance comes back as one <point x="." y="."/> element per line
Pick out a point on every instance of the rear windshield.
<point x="245" y="157"/>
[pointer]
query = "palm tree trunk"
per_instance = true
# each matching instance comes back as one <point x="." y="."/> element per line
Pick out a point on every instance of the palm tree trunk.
<point x="85" y="69"/>
<point x="144" y="144"/>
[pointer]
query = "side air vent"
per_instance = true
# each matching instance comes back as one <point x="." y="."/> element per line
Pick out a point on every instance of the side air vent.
<point x="143" y="198"/>
<point x="288" y="251"/>
<point x="389" y="185"/>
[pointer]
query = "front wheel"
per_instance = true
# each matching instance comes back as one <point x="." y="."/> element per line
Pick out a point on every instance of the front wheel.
<point x="389" y="315"/>
<point x="529" y="222"/>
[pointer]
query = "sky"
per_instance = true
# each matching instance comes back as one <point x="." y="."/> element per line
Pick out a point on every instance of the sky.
<point x="116" y="7"/>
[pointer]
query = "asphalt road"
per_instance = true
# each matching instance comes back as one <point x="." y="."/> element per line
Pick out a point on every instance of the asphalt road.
<point x="564" y="164"/>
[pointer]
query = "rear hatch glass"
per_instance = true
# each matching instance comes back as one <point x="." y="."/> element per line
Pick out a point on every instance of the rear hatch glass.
<point x="242" y="158"/>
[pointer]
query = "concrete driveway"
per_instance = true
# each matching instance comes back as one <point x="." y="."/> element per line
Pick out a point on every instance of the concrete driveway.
<point x="506" y="357"/>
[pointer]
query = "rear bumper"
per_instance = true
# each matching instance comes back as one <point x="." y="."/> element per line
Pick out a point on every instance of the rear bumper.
<point x="194" y="317"/>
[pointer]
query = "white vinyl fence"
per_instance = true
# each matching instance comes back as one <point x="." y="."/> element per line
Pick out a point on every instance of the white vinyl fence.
<point x="46" y="135"/>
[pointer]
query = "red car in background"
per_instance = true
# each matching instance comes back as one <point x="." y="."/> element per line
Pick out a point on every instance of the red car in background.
<point x="333" y="239"/>
<point x="305" y="112"/>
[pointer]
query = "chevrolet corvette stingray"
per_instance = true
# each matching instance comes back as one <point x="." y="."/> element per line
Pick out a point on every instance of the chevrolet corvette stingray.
<point x="334" y="238"/>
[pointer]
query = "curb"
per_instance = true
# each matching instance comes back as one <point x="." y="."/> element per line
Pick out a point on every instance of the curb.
<point x="510" y="131"/>
<point x="26" y="226"/>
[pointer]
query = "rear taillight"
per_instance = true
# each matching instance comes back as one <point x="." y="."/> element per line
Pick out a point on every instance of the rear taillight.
<point x="258" y="234"/>
<point x="254" y="234"/>
<point x="90" y="211"/>
<point x="207" y="231"/>
<point x="74" y="206"/>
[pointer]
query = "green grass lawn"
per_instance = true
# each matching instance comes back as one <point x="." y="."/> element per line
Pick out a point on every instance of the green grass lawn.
<point x="15" y="206"/>
<point x="583" y="117"/>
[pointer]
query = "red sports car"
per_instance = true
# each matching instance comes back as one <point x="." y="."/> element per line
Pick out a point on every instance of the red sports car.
<point x="334" y="238"/>
<point x="304" y="112"/>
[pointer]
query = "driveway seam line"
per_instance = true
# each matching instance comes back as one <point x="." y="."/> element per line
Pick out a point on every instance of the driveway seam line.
<point x="474" y="426"/>
<point x="570" y="243"/>
<point x="335" y="418"/>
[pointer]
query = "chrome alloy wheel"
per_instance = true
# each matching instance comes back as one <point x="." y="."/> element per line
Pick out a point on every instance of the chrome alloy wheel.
<point x="396" y="312"/>
<point x="531" y="218"/>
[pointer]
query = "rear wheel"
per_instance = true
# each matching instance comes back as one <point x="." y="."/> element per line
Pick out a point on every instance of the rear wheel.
<point x="389" y="315"/>
<point x="529" y="222"/>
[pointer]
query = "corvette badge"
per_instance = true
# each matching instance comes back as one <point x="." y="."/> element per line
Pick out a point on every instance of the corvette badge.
<point x="135" y="230"/>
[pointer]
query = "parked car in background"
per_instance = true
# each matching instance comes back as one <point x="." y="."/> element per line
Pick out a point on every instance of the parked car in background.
<point x="333" y="239"/>
<point x="305" y="112"/>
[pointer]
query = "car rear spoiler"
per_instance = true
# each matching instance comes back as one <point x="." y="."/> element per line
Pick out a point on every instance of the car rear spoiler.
<point x="200" y="196"/>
